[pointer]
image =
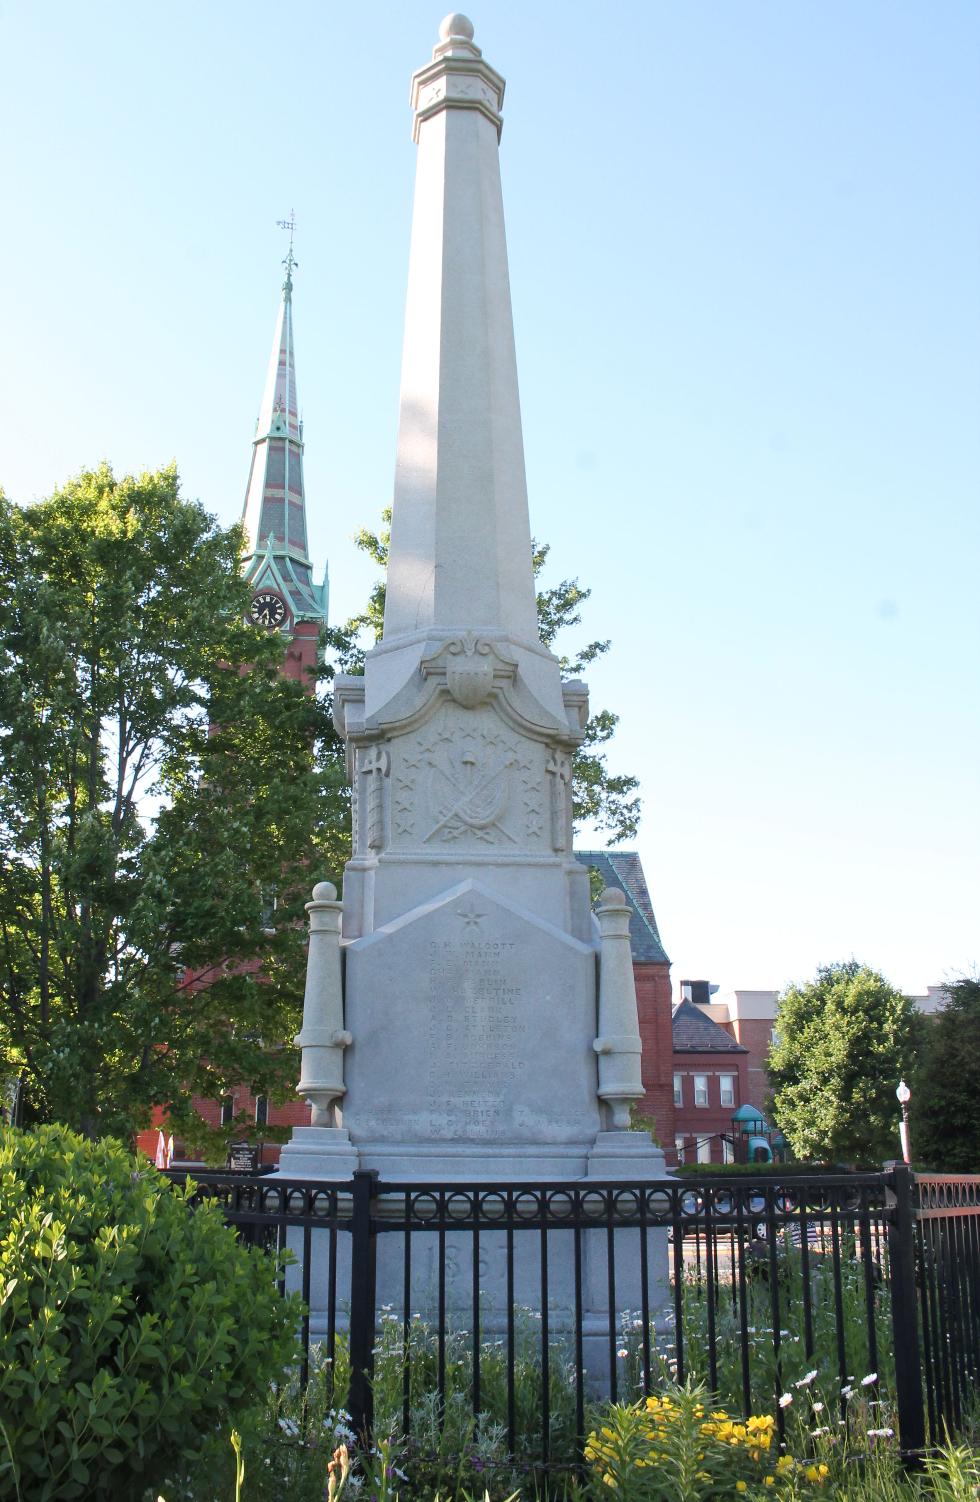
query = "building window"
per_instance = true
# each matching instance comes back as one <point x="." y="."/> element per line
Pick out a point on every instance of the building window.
<point x="727" y="1083"/>
<point x="704" y="1149"/>
<point x="678" y="1089"/>
<point x="261" y="1110"/>
<point x="227" y="1110"/>
<point x="727" y="1150"/>
<point x="679" y="1142"/>
<point x="700" y="1089"/>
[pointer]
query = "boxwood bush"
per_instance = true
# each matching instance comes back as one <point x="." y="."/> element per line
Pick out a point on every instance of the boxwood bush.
<point x="132" y="1328"/>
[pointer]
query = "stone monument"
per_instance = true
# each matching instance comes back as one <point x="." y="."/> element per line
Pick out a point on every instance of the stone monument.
<point x="487" y="1026"/>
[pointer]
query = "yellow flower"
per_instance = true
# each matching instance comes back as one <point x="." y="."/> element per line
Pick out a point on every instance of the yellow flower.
<point x="785" y="1463"/>
<point x="741" y="1486"/>
<point x="770" y="1481"/>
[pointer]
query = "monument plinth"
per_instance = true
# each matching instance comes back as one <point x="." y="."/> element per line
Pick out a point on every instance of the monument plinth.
<point x="489" y="1026"/>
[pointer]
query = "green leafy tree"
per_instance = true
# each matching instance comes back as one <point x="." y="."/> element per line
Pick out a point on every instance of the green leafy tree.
<point x="844" y="1042"/>
<point x="945" y="1102"/>
<point x="164" y="793"/>
<point x="608" y="800"/>
<point x="133" y="1328"/>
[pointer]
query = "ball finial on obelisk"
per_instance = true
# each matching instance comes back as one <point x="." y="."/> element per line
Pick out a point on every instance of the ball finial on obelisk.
<point x="456" y="27"/>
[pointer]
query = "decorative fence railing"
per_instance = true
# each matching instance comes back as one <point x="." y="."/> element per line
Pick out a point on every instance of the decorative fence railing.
<point x="869" y="1281"/>
<point x="934" y="1236"/>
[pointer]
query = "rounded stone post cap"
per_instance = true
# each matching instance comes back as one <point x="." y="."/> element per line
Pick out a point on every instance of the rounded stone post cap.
<point x="324" y="891"/>
<point x="456" y="27"/>
<point x="612" y="897"/>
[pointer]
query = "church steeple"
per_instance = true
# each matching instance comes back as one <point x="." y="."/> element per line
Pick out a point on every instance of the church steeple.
<point x="278" y="560"/>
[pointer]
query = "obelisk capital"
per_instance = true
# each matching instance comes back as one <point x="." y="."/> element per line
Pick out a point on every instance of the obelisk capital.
<point x="457" y="77"/>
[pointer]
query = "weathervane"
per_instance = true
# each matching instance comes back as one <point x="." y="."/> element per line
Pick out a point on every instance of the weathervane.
<point x="290" y="260"/>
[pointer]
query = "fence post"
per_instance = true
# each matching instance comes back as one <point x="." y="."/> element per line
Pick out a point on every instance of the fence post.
<point x="363" y="1291"/>
<point x="900" y="1210"/>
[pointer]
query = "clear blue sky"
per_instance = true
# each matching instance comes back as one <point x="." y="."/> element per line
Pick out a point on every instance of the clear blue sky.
<point x="744" y="243"/>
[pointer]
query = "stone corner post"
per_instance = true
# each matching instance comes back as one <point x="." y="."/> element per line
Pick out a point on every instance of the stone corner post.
<point x="323" y="1038"/>
<point x="618" y="1044"/>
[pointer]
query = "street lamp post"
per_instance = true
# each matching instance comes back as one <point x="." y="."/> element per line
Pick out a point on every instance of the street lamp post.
<point x="904" y="1096"/>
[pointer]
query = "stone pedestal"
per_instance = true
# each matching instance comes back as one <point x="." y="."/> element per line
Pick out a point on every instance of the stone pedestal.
<point x="319" y="1153"/>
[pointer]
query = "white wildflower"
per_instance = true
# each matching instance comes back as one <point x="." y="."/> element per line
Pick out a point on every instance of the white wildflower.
<point x="289" y="1427"/>
<point x="847" y="1392"/>
<point x="818" y="1408"/>
<point x="880" y="1433"/>
<point x="867" y="1381"/>
<point x="786" y="1400"/>
<point x="622" y="1353"/>
<point x="805" y="1381"/>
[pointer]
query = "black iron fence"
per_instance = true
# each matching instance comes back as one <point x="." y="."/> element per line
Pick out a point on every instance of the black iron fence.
<point x="833" y="1293"/>
<point x="934" y="1236"/>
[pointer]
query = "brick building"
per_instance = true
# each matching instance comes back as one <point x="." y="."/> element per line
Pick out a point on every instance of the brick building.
<point x="710" y="1082"/>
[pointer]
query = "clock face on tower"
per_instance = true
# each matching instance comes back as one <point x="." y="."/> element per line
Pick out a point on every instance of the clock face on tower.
<point x="267" y="609"/>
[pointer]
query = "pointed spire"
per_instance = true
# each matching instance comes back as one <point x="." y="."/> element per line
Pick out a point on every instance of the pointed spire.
<point x="460" y="538"/>
<point x="275" y="501"/>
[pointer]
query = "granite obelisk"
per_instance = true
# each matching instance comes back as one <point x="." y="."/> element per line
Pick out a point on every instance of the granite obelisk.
<point x="489" y="1023"/>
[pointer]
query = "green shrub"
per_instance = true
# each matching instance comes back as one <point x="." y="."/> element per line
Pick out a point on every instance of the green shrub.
<point x="131" y="1328"/>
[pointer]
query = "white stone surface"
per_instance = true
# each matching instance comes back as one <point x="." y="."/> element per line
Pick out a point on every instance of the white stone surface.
<point x="472" y="1022"/>
<point x="618" y="1044"/>
<point x="323" y="1037"/>
<point x="319" y="1153"/>
<point x="625" y="1156"/>
<point x="460" y="543"/>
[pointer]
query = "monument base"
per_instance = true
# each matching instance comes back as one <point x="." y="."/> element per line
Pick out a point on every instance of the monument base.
<point x="632" y="1156"/>
<point x="328" y="1153"/>
<point x="474" y="1162"/>
<point x="319" y="1153"/>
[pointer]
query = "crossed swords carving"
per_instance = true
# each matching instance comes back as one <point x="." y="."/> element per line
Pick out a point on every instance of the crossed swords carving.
<point x="478" y="803"/>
